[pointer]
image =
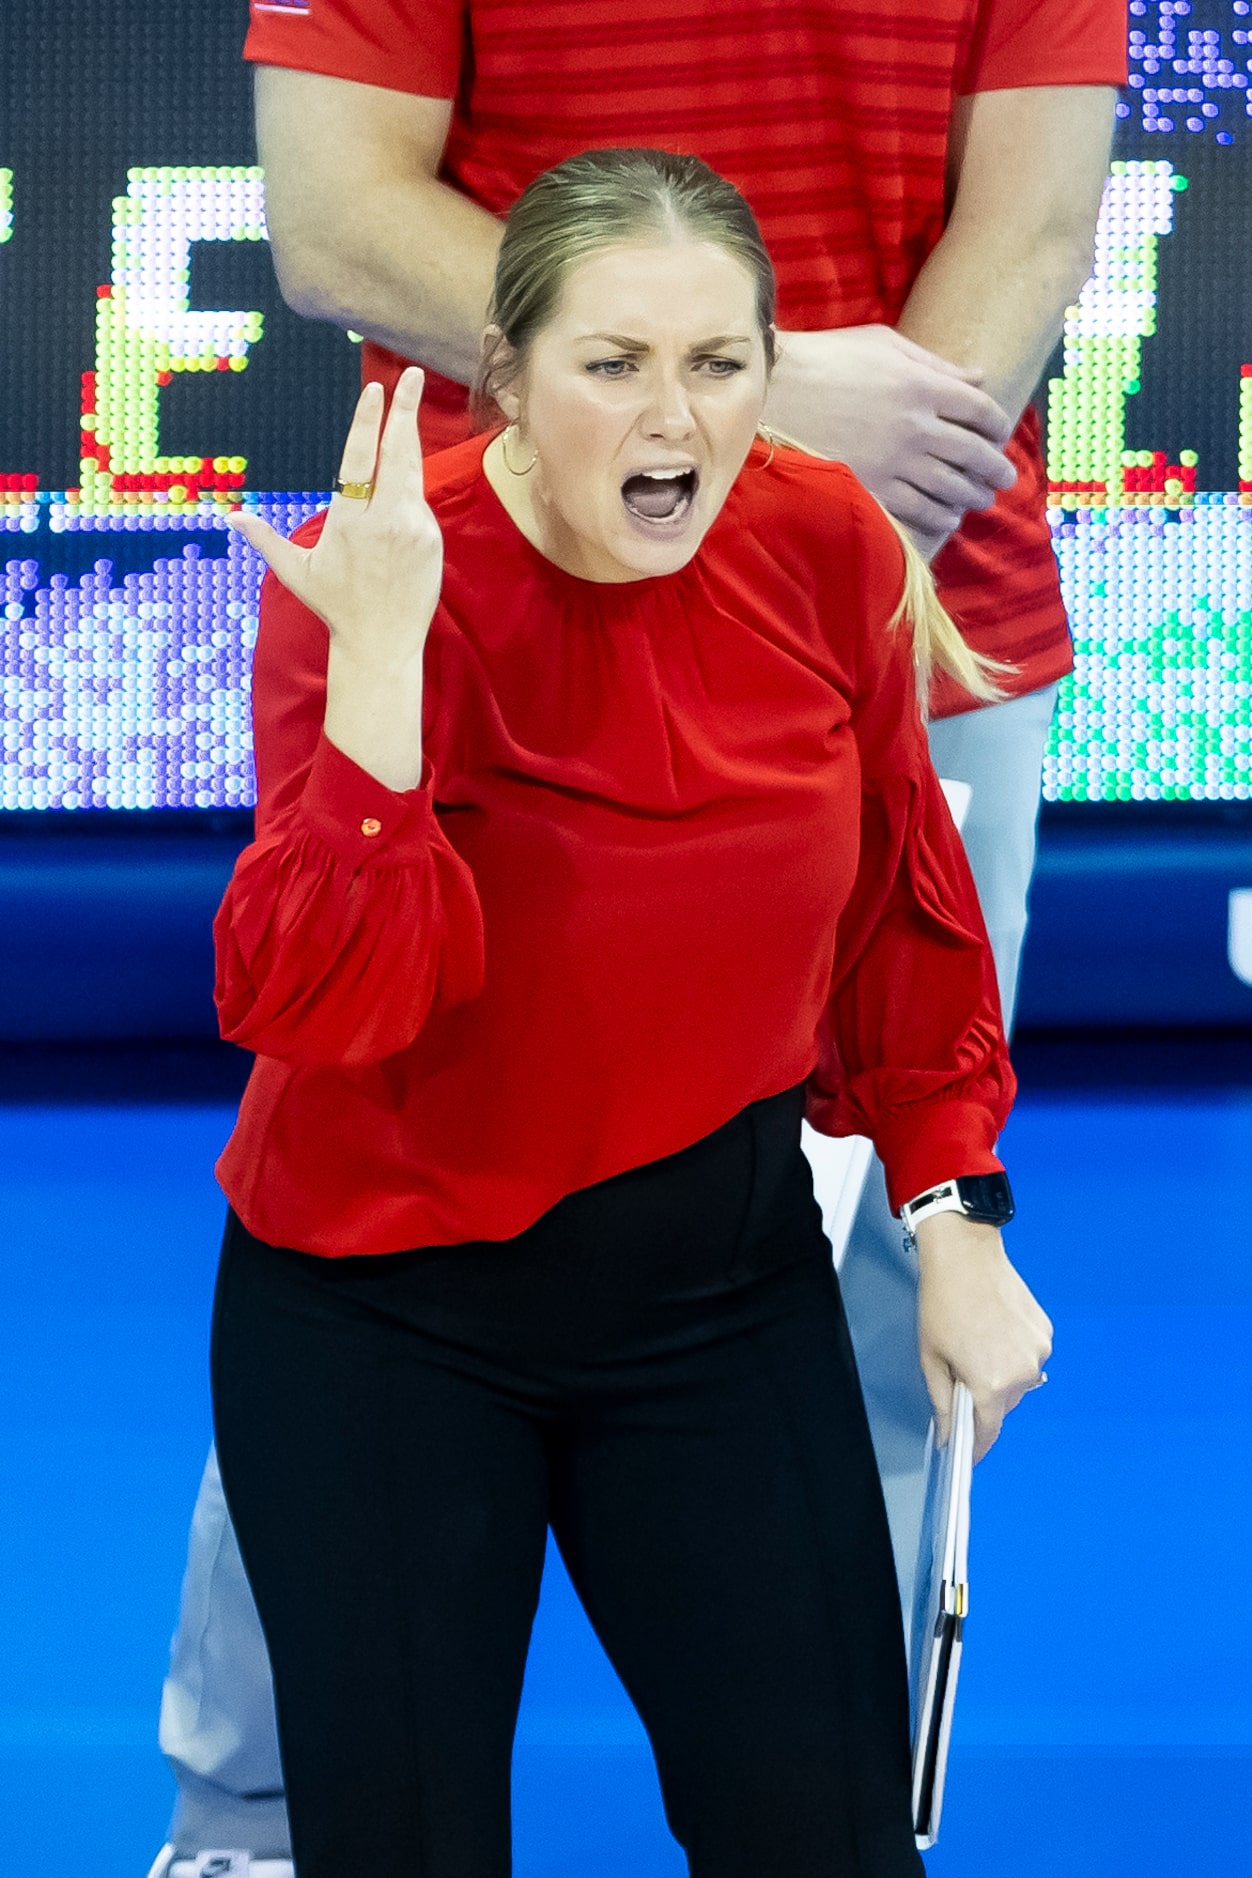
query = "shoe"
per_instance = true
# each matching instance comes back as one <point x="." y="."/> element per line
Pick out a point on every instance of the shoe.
<point x="218" y="1864"/>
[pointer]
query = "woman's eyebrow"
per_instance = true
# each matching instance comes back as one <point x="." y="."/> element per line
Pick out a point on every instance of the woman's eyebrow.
<point x="623" y="344"/>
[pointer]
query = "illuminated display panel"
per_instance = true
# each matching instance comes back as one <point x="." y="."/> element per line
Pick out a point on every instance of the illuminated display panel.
<point x="1149" y="434"/>
<point x="150" y="378"/>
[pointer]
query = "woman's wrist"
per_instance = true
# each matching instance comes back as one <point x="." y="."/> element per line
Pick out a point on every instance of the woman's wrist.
<point x="374" y="715"/>
<point x="950" y="1235"/>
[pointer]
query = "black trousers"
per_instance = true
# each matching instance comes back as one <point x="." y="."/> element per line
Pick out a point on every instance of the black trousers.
<point x="658" y="1369"/>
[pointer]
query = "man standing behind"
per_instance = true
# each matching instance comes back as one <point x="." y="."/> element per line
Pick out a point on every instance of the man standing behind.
<point x="927" y="174"/>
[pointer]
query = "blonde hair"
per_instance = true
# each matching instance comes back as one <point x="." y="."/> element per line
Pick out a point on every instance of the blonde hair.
<point x="599" y="200"/>
<point x="937" y="642"/>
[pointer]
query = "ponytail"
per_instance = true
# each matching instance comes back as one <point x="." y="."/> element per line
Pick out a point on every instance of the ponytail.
<point x="937" y="643"/>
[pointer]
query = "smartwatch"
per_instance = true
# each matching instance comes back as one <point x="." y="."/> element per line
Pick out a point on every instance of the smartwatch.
<point x="987" y="1198"/>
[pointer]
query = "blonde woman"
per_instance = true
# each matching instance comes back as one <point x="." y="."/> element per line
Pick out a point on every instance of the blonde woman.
<point x="597" y="843"/>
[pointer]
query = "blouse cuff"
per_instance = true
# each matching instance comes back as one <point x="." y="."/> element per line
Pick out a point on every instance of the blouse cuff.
<point x="922" y="1146"/>
<point x="360" y="818"/>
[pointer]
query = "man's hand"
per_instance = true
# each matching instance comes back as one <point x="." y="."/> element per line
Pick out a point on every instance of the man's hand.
<point x="920" y="433"/>
<point x="979" y="1324"/>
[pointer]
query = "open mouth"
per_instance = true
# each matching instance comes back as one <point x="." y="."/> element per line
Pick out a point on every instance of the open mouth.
<point x="660" y="497"/>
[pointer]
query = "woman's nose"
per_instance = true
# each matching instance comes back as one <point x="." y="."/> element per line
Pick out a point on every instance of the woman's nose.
<point x="670" y="415"/>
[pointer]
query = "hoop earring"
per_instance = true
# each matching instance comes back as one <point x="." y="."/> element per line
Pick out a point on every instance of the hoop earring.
<point x="504" y="452"/>
<point x="763" y="430"/>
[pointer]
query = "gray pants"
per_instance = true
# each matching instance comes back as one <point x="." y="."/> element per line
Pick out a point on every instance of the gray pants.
<point x="217" y="1709"/>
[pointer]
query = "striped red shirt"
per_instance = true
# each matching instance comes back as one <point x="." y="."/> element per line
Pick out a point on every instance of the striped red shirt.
<point x="830" y="115"/>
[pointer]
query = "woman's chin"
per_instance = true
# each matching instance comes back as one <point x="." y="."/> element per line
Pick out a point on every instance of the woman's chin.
<point x="620" y="546"/>
<point x="658" y="547"/>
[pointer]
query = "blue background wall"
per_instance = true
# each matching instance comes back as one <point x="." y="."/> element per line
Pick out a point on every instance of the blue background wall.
<point x="107" y="935"/>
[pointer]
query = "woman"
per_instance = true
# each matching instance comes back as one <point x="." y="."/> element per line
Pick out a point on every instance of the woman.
<point x="553" y="926"/>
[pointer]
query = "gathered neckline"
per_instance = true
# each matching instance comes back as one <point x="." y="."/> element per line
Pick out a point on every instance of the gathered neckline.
<point x="483" y="490"/>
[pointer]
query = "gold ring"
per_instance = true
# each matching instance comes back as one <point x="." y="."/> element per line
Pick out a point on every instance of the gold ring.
<point x="359" y="492"/>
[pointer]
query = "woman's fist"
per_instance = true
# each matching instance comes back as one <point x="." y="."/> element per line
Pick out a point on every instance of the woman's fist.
<point x="978" y="1322"/>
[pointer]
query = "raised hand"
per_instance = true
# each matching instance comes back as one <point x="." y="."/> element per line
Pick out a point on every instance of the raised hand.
<point x="374" y="573"/>
<point x="918" y="431"/>
<point x="373" y="576"/>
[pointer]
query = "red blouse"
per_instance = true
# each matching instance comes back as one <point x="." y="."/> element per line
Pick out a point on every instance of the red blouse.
<point x="679" y="846"/>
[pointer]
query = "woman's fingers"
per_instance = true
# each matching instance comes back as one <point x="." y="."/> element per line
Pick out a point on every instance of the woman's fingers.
<point x="383" y="452"/>
<point x="939" y="1388"/>
<point x="275" y="549"/>
<point x="989" y="1406"/>
<point x="994" y="1401"/>
<point x="988" y="1421"/>
<point x="400" y="440"/>
<point x="400" y="450"/>
<point x="360" y="450"/>
<point x="993" y="1405"/>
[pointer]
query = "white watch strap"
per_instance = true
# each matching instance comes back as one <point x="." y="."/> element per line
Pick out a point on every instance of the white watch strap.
<point x="945" y="1198"/>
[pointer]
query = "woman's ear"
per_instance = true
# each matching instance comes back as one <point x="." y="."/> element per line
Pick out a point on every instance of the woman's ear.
<point x="497" y="371"/>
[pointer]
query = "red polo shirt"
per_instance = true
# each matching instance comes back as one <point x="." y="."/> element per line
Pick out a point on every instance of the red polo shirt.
<point x="830" y="115"/>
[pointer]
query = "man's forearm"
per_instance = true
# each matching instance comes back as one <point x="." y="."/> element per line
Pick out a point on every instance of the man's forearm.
<point x="413" y="273"/>
<point x="1029" y="173"/>
<point x="997" y="306"/>
<point x="372" y="240"/>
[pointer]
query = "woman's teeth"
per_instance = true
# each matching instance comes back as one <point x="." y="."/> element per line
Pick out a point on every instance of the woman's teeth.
<point x="659" y="495"/>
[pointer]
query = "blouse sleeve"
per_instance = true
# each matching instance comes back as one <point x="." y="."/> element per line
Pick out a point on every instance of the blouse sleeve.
<point x="350" y="918"/>
<point x="911" y="1048"/>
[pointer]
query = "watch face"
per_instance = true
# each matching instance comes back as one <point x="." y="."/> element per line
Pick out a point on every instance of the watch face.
<point x="987" y="1197"/>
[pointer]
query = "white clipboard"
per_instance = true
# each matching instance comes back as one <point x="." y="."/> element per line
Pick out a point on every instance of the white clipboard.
<point x="940" y="1604"/>
<point x="941" y="1586"/>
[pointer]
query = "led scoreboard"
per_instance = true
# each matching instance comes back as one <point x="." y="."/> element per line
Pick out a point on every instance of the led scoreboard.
<point x="150" y="379"/>
<point x="1149" y="433"/>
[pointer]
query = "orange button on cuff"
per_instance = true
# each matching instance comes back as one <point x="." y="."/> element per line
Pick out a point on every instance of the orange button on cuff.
<point x="371" y="826"/>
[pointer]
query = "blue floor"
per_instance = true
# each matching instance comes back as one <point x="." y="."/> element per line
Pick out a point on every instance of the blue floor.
<point x="1105" y="1720"/>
